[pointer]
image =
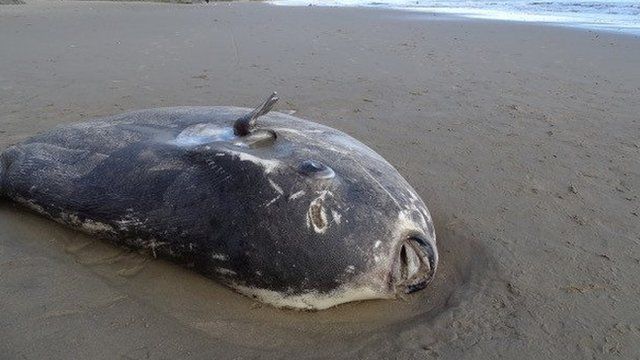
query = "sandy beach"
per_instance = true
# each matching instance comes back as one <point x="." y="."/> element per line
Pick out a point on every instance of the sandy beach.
<point x="523" y="140"/>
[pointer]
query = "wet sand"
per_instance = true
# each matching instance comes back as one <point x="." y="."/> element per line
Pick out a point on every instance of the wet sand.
<point x="523" y="140"/>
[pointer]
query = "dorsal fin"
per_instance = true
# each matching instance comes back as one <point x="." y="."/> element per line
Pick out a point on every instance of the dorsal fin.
<point x="245" y="124"/>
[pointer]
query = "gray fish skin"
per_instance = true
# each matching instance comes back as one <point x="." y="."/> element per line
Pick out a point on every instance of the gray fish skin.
<point x="309" y="219"/>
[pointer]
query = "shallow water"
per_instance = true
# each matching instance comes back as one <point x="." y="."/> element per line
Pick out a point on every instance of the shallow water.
<point x="611" y="15"/>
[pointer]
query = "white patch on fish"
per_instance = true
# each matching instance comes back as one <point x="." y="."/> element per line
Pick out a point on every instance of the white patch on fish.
<point x="128" y="221"/>
<point x="287" y="130"/>
<point x="336" y="217"/>
<point x="153" y="244"/>
<point x="224" y="271"/>
<point x="317" y="214"/>
<point x="276" y="187"/>
<point x="220" y="257"/>
<point x="296" y="195"/>
<point x="199" y="134"/>
<point x="95" y="226"/>
<point x="272" y="201"/>
<point x="407" y="222"/>
<point x="88" y="225"/>
<point x="268" y="165"/>
<point x="31" y="205"/>
<point x="314" y="300"/>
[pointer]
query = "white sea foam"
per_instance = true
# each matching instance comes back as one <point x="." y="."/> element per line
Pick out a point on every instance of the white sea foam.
<point x="616" y="15"/>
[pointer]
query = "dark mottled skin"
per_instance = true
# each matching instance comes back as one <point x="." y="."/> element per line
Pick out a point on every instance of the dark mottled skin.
<point x="201" y="205"/>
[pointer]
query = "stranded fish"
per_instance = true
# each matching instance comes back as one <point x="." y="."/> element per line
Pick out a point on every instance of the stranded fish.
<point x="293" y="213"/>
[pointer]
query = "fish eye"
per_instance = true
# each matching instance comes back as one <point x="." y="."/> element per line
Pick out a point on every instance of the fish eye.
<point x="316" y="170"/>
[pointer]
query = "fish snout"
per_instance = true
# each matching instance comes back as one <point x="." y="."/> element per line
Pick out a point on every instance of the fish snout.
<point x="415" y="264"/>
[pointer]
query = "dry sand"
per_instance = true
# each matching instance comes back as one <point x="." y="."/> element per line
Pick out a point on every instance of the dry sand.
<point x="522" y="139"/>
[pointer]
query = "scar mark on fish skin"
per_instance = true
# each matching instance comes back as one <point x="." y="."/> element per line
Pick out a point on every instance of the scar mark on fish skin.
<point x="296" y="195"/>
<point x="128" y="221"/>
<point x="268" y="165"/>
<point x="220" y="174"/>
<point x="88" y="225"/>
<point x="288" y="130"/>
<point x="224" y="271"/>
<point x="220" y="257"/>
<point x="317" y="215"/>
<point x="272" y="201"/>
<point x="31" y="205"/>
<point x="153" y="244"/>
<point x="336" y="217"/>
<point x="276" y="187"/>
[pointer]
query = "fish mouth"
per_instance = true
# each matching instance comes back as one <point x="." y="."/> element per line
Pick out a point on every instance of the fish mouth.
<point x="415" y="264"/>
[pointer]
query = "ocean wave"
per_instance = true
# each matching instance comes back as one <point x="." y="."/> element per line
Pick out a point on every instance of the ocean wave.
<point x="615" y="15"/>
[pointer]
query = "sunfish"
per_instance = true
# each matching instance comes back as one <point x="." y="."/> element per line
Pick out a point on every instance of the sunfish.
<point x="290" y="212"/>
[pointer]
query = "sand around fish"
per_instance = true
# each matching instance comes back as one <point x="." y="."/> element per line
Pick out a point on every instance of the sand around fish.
<point x="523" y="140"/>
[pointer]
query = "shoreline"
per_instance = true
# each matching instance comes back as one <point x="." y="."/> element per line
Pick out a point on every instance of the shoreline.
<point x="549" y="18"/>
<point x="443" y="14"/>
